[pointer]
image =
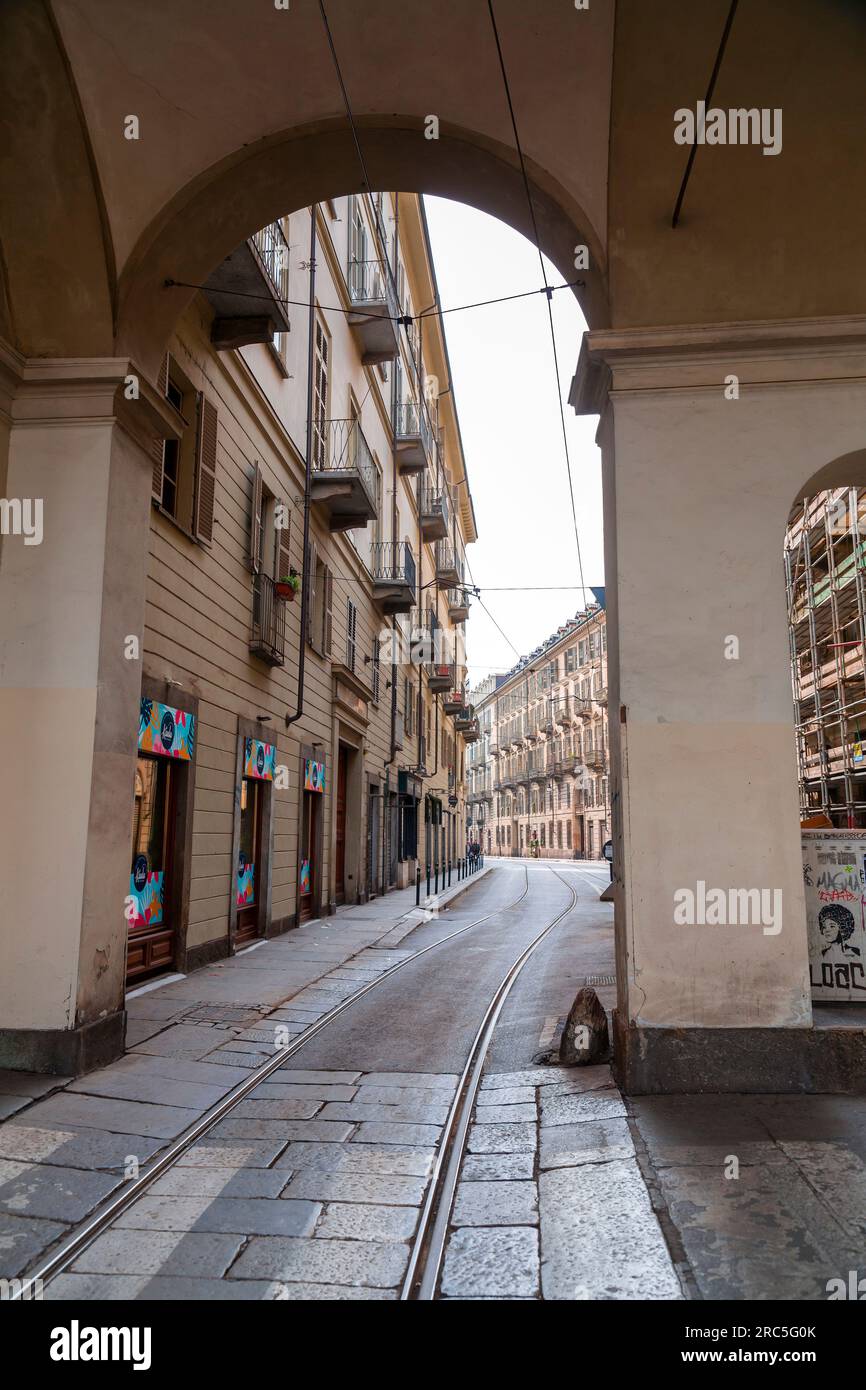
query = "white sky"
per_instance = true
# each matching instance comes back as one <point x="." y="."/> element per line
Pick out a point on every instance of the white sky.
<point x="504" y="385"/>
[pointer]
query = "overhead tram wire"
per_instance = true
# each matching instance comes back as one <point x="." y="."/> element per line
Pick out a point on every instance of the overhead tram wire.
<point x="548" y="288"/>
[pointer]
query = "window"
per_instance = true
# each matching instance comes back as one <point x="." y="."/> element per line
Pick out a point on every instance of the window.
<point x="568" y="834"/>
<point x="376" y="675"/>
<point x="184" y="470"/>
<point x="320" y="600"/>
<point x="351" y="633"/>
<point x="321" y="372"/>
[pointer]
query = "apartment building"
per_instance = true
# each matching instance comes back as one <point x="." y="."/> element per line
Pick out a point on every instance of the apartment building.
<point x="825" y="571"/>
<point x="305" y="601"/>
<point x="538" y="777"/>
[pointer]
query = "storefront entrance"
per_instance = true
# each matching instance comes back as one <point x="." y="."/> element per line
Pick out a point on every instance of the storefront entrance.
<point x="250" y="860"/>
<point x="310" y="847"/>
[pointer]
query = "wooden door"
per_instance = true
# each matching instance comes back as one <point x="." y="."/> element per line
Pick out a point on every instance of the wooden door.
<point x="340" y="847"/>
<point x="249" y="867"/>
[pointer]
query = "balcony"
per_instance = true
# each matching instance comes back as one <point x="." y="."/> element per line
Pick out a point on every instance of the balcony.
<point x="601" y="697"/>
<point x="413" y="437"/>
<point x="596" y="759"/>
<point x="493" y="746"/>
<point x="458" y="605"/>
<point x="470" y="729"/>
<point x="563" y="714"/>
<point x="434" y="512"/>
<point x="344" y="478"/>
<point x="455" y="702"/>
<point x="447" y="570"/>
<point x="393" y="576"/>
<point x="374" y="311"/>
<point x="439" y="677"/>
<point x="247" y="290"/>
<point x="268" y="627"/>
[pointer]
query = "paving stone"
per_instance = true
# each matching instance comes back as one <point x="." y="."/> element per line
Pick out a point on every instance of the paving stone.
<point x="114" y="1116"/>
<point x="257" y="1216"/>
<point x="496" y="1204"/>
<point x="29" y="1083"/>
<point x="534" y="1076"/>
<point x="158" y="1090"/>
<point x="175" y="1068"/>
<point x="599" y="1236"/>
<point x="508" y="1139"/>
<point x="200" y="1253"/>
<point x="22" y="1239"/>
<point x="422" y="1081"/>
<point x="260" y="1050"/>
<point x="353" y="1221"/>
<point x="372" y="1132"/>
<point x="296" y="1014"/>
<point x="298" y="1076"/>
<point x="592" y="1105"/>
<point x="400" y="1159"/>
<point x="320" y="1185"/>
<point x="501" y="1263"/>
<point x="82" y="1148"/>
<point x="414" y="1111"/>
<point x="498" y="1167"/>
<point x="504" y="1114"/>
<point x="245" y="1061"/>
<point x="57" y="1194"/>
<point x="365" y="1262"/>
<point x="238" y="1153"/>
<point x="10" y="1105"/>
<point x="269" y="1041"/>
<point x="591" y="1141"/>
<point x="180" y="1040"/>
<point x="221" y="1182"/>
<point x="567" y="1081"/>
<point x="239" y="1127"/>
<point x="320" y="1292"/>
<point x="99" y="1287"/>
<point x="398" y="1095"/>
<point x="273" y="1108"/>
<point x="287" y="1090"/>
<point x="510" y="1095"/>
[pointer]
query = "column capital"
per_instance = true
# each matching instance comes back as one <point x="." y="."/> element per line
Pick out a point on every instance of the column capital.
<point x="763" y="352"/>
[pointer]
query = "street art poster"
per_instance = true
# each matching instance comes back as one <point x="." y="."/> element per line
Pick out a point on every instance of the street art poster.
<point x="165" y="730"/>
<point x="314" y="775"/>
<point x="246" y="882"/>
<point x="146" y="891"/>
<point x="305" y="876"/>
<point x="834" y="877"/>
<point x="260" y="759"/>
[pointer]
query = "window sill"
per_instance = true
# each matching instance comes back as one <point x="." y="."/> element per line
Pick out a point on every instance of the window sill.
<point x="158" y="507"/>
<point x="280" y="364"/>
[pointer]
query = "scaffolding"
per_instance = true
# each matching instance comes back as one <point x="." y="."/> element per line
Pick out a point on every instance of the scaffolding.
<point x="825" y="572"/>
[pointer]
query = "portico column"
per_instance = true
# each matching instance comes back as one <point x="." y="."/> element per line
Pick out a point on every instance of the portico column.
<point x="708" y="436"/>
<point x="71" y="594"/>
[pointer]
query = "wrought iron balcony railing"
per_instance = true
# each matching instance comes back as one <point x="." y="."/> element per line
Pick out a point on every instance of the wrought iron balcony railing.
<point x="372" y="282"/>
<point x="268" y="628"/>
<point x="393" y="563"/>
<point x="344" y="474"/>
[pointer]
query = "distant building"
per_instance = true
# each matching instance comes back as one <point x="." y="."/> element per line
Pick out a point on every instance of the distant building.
<point x="538" y="777"/>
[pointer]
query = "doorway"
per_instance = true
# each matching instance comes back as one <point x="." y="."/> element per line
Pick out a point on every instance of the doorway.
<point x="152" y="940"/>
<point x="340" y="834"/>
<point x="250" y="862"/>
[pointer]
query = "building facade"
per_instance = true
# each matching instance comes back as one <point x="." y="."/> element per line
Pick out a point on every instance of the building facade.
<point x="538" y="777"/>
<point x="825" y="572"/>
<point x="304" y="627"/>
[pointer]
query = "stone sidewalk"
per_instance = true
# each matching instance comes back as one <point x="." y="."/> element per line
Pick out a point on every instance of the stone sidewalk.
<point x="66" y="1144"/>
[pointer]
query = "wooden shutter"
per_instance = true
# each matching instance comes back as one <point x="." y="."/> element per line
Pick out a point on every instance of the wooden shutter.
<point x="255" y="560"/>
<point x="311" y="559"/>
<point x="284" y="563"/>
<point x="158" y="446"/>
<point x="205" y="471"/>
<point x="351" y="630"/>
<point x="328" y="613"/>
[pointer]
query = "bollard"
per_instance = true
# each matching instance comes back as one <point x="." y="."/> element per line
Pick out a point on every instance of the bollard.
<point x="418" y="884"/>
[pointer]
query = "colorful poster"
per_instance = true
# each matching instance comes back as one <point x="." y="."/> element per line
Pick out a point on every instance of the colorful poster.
<point x="246" y="883"/>
<point x="260" y="759"/>
<point x="146" y="889"/>
<point x="314" y="775"/>
<point x="164" y="730"/>
<point x="834" y="877"/>
<point x="306" y="886"/>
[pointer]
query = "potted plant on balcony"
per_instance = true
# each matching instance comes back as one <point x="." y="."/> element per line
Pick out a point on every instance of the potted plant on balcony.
<point x="288" y="585"/>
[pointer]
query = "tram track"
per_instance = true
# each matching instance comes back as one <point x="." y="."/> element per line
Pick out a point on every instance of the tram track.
<point x="108" y="1212"/>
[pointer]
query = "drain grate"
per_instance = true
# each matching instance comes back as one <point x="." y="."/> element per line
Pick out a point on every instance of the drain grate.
<point x="599" y="979"/>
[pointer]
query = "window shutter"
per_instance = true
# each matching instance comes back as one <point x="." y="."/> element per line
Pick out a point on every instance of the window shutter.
<point x="311" y="561"/>
<point x="283" y="537"/>
<point x="158" y="446"/>
<point x="205" y="471"/>
<point x="351" y="630"/>
<point x="328" y="613"/>
<point x="255" y="560"/>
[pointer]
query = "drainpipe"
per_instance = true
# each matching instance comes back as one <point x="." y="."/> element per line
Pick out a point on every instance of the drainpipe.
<point x="305" y="588"/>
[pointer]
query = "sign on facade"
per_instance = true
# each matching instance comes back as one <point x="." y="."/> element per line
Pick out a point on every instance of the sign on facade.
<point x="834" y="876"/>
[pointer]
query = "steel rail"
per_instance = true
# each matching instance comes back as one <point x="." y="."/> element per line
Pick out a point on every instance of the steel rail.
<point x="115" y="1206"/>
<point x="428" y="1248"/>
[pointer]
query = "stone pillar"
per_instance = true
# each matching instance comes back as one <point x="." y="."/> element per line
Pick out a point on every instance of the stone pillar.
<point x="80" y="451"/>
<point x="708" y="436"/>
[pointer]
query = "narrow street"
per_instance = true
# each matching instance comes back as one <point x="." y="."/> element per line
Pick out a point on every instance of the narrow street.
<point x="312" y="1187"/>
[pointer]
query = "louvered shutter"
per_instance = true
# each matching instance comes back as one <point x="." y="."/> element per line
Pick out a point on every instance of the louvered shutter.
<point x="328" y="614"/>
<point x="311" y="560"/>
<point x="158" y="446"/>
<point x="255" y="560"/>
<point x="283" y="536"/>
<point x="205" y="471"/>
